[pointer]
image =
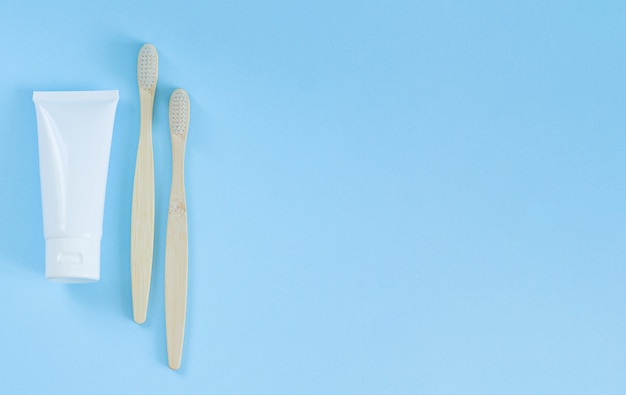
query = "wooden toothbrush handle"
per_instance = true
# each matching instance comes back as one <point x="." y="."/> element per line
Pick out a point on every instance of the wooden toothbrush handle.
<point x="176" y="262"/>
<point x="142" y="223"/>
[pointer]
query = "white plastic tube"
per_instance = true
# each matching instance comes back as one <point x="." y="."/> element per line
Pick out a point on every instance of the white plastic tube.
<point x="75" y="131"/>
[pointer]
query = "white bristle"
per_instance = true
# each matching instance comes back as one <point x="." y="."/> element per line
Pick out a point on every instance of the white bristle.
<point x="179" y="112"/>
<point x="147" y="66"/>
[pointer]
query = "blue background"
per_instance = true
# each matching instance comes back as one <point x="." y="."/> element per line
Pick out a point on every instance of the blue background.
<point x="385" y="197"/>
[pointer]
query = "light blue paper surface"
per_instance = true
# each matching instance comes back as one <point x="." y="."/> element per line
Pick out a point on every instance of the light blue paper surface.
<point x="392" y="197"/>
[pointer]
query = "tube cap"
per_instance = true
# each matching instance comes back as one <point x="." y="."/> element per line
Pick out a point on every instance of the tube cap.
<point x="73" y="260"/>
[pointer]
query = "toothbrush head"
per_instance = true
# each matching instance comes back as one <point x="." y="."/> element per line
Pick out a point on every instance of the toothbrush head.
<point x="148" y="67"/>
<point x="179" y="112"/>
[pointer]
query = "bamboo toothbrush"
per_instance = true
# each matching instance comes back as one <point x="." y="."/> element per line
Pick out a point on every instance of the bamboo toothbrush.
<point x="142" y="223"/>
<point x="176" y="243"/>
